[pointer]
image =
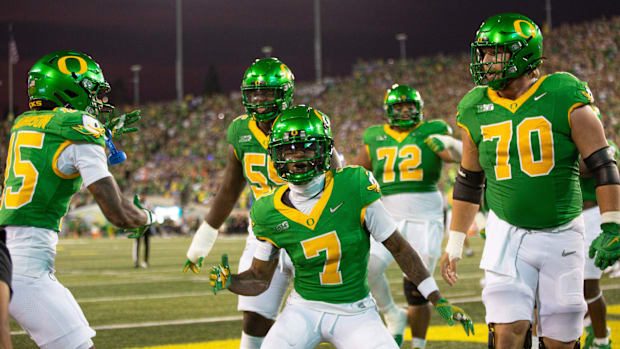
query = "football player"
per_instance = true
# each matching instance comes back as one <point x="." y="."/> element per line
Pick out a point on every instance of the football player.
<point x="406" y="156"/>
<point x="524" y="133"/>
<point x="595" y="323"/>
<point x="324" y="219"/>
<point x="267" y="89"/>
<point x="54" y="149"/>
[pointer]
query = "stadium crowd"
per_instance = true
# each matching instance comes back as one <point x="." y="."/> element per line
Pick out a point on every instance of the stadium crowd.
<point x="179" y="153"/>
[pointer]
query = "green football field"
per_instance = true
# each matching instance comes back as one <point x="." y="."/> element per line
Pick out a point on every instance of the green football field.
<point x="160" y="307"/>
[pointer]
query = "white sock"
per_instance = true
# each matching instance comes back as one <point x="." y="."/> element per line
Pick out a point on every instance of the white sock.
<point x="418" y="343"/>
<point x="379" y="286"/>
<point x="601" y="341"/>
<point x="250" y="342"/>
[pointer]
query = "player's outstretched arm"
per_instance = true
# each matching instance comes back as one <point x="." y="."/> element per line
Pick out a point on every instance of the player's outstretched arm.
<point x="466" y="202"/>
<point x="449" y="149"/>
<point x="223" y="203"/>
<point x="589" y="137"/>
<point x="117" y="209"/>
<point x="251" y="282"/>
<point x="411" y="264"/>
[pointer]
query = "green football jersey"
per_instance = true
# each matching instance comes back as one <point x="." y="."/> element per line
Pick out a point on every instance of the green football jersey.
<point x="330" y="247"/>
<point x="250" y="145"/>
<point x="526" y="150"/>
<point x="588" y="185"/>
<point x="401" y="161"/>
<point x="35" y="192"/>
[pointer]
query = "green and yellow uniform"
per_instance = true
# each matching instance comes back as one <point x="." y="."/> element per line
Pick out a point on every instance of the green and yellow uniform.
<point x="36" y="193"/>
<point x="526" y="150"/>
<point x="330" y="247"/>
<point x="250" y="145"/>
<point x="401" y="161"/>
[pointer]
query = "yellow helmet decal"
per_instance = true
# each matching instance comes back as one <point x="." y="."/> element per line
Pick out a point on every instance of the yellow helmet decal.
<point x="519" y="29"/>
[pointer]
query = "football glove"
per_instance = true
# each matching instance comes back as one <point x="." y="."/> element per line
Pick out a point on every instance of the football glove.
<point x="117" y="126"/>
<point x="435" y="143"/>
<point x="483" y="233"/>
<point x="451" y="313"/>
<point x="201" y="246"/>
<point x="220" y="275"/>
<point x="195" y="267"/>
<point x="135" y="233"/>
<point x="606" y="247"/>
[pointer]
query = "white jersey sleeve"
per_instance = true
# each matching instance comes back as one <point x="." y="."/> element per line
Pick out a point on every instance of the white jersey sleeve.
<point x="378" y="221"/>
<point x="87" y="159"/>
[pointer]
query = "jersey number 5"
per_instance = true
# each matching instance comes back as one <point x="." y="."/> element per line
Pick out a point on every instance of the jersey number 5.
<point x="533" y="166"/>
<point x="22" y="168"/>
<point x="331" y="245"/>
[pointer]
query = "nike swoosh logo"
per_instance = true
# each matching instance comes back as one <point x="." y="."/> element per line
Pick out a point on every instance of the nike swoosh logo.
<point x="333" y="209"/>
<point x="564" y="253"/>
<point x="539" y="96"/>
<point x="613" y="241"/>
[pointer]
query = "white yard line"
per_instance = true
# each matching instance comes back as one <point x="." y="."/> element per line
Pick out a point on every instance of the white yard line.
<point x="221" y="318"/>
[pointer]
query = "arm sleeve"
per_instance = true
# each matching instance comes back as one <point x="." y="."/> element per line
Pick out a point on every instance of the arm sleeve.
<point x="87" y="159"/>
<point x="265" y="251"/>
<point x="378" y="221"/>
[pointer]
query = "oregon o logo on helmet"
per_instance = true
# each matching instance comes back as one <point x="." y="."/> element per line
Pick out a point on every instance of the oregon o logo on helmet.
<point x="294" y="133"/>
<point x="62" y="65"/>
<point x="519" y="30"/>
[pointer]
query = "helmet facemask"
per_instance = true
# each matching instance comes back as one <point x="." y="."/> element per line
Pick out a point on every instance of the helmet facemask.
<point x="515" y="42"/>
<point x="267" y="74"/>
<point x="268" y="98"/>
<point x="402" y="116"/>
<point x="299" y="162"/>
<point x="403" y="106"/>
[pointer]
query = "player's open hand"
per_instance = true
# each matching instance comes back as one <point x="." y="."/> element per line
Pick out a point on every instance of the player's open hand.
<point x="220" y="275"/>
<point x="117" y="125"/>
<point x="451" y="313"/>
<point x="606" y="247"/>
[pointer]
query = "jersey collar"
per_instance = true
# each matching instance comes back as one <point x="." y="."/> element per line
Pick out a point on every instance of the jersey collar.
<point x="399" y="136"/>
<point x="299" y="217"/>
<point x="512" y="105"/>
<point x="262" y="138"/>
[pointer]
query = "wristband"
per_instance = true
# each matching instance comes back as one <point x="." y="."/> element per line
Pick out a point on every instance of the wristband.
<point x="202" y="242"/>
<point x="454" y="248"/>
<point x="427" y="286"/>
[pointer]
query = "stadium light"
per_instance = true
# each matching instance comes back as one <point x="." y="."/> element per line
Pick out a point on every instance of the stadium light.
<point x="402" y="38"/>
<point x="266" y="51"/>
<point x="136" y="68"/>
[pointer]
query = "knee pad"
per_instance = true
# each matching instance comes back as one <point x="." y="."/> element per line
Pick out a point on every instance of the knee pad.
<point x="527" y="344"/>
<point x="412" y="294"/>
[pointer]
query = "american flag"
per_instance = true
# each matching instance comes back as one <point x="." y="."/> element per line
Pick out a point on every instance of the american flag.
<point x="13" y="54"/>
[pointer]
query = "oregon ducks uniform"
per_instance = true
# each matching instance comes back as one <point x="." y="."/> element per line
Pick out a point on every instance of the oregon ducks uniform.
<point x="36" y="193"/>
<point x="330" y="247"/>
<point x="401" y="161"/>
<point x="250" y="145"/>
<point x="526" y="150"/>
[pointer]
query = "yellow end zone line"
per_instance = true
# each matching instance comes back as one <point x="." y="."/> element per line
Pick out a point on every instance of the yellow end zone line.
<point x="435" y="333"/>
